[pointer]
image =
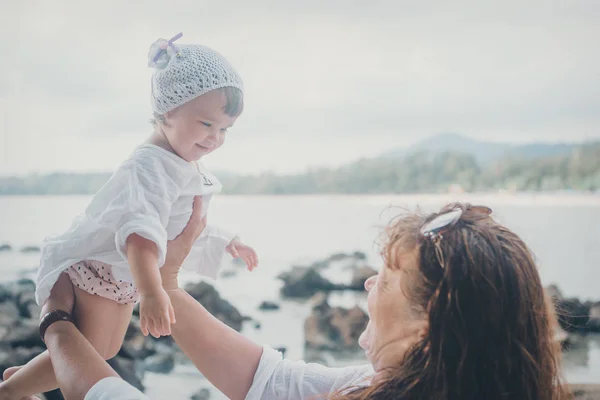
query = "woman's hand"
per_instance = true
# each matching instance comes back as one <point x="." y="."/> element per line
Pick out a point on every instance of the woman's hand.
<point x="179" y="248"/>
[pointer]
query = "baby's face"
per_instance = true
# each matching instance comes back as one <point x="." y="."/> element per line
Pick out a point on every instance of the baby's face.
<point x="198" y="127"/>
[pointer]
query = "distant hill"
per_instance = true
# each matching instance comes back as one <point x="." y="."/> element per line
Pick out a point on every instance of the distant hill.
<point x="484" y="152"/>
<point x="438" y="164"/>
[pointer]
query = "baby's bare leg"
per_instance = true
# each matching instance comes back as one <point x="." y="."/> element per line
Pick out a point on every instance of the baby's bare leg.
<point x="101" y="321"/>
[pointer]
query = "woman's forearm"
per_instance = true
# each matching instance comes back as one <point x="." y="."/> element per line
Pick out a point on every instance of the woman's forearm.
<point x="77" y="365"/>
<point x="225" y="357"/>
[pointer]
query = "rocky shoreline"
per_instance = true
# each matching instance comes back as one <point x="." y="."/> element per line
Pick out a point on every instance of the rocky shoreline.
<point x="333" y="330"/>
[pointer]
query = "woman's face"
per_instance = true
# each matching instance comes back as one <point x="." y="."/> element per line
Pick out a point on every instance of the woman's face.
<point x="393" y="326"/>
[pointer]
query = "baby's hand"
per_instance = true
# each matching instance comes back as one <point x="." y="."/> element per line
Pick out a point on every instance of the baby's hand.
<point x="237" y="249"/>
<point x="156" y="313"/>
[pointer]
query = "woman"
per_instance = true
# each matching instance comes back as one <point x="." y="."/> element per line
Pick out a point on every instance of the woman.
<point x="457" y="312"/>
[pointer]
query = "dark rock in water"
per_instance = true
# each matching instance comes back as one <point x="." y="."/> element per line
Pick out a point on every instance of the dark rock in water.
<point x="572" y="314"/>
<point x="25" y="333"/>
<point x="202" y="394"/>
<point x="230" y="273"/>
<point x="334" y="329"/>
<point x="30" y="249"/>
<point x="585" y="391"/>
<point x="594" y="322"/>
<point x="338" y="257"/>
<point x="257" y="325"/>
<point x="212" y="301"/>
<point x="9" y="314"/>
<point x="31" y="310"/>
<point x="554" y="292"/>
<point x="303" y="282"/>
<point x="28" y="307"/>
<point x="282" y="350"/>
<point x="322" y="264"/>
<point x="5" y="247"/>
<point x="268" y="305"/>
<point x="14" y="290"/>
<point x="359" y="276"/>
<point x="9" y="356"/>
<point x="5" y="294"/>
<point x="161" y="363"/>
<point x="357" y="255"/>
<point x="319" y="302"/>
<point x="22" y="355"/>
<point x="130" y="370"/>
<point x="136" y="345"/>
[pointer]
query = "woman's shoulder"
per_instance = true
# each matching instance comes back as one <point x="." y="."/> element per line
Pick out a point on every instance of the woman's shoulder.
<point x="275" y="374"/>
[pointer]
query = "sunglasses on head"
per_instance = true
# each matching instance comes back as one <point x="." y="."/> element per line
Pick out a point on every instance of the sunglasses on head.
<point x="434" y="230"/>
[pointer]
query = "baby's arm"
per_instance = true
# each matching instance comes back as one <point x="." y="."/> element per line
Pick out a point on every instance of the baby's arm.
<point x="156" y="311"/>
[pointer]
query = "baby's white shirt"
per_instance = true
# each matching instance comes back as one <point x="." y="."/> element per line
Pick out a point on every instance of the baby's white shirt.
<point x="151" y="194"/>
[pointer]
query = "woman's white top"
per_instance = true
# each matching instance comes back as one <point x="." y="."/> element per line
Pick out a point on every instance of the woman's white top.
<point x="278" y="378"/>
<point x="275" y="379"/>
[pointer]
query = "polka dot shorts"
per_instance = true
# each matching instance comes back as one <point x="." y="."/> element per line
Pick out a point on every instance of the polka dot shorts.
<point x="96" y="277"/>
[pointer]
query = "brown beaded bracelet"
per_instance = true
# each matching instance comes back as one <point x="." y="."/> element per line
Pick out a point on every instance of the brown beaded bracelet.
<point x="52" y="317"/>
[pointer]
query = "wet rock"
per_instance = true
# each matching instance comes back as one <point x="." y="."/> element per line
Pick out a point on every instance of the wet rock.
<point x="268" y="306"/>
<point x="202" y="394"/>
<point x="334" y="328"/>
<point x="304" y="282"/>
<point x="22" y="355"/>
<point x="28" y="307"/>
<point x="338" y="257"/>
<point x="5" y="358"/>
<point x="554" y="292"/>
<point x="207" y="295"/>
<point x="230" y="273"/>
<point x="9" y="314"/>
<point x="136" y="345"/>
<point x="30" y="249"/>
<point x="161" y="363"/>
<point x="14" y="290"/>
<point x="282" y="350"/>
<point x="594" y="322"/>
<point x="585" y="391"/>
<point x="4" y="293"/>
<point x="359" y="276"/>
<point x="24" y="333"/>
<point x="325" y="263"/>
<point x="573" y="315"/>
<point x="130" y="370"/>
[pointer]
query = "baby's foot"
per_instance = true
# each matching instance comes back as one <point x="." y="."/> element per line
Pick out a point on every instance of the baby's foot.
<point x="8" y="372"/>
<point x="5" y="391"/>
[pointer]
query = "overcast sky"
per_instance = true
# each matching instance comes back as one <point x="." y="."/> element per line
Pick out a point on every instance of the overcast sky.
<point x="326" y="81"/>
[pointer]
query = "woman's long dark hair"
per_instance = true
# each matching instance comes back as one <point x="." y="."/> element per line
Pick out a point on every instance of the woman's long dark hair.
<point x="491" y="326"/>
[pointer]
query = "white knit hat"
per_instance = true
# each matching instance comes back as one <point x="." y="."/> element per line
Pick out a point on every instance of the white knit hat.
<point x="184" y="72"/>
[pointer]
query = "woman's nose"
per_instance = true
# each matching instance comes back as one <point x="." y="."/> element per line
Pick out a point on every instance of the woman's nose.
<point x="369" y="283"/>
